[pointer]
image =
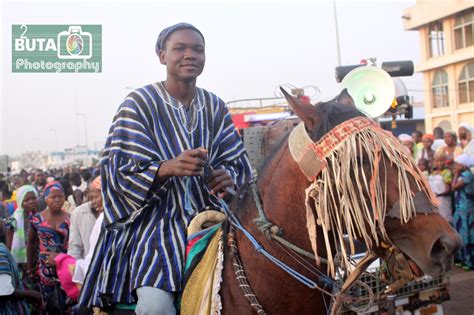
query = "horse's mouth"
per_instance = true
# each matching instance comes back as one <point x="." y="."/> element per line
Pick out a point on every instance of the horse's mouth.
<point x="434" y="269"/>
<point x="415" y="269"/>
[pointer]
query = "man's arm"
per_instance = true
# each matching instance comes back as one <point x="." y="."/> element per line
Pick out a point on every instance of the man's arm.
<point x="9" y="235"/>
<point x="75" y="246"/>
<point x="30" y="296"/>
<point x="229" y="155"/>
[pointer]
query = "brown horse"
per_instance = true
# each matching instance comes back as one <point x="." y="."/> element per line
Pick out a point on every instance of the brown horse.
<point x="425" y="238"/>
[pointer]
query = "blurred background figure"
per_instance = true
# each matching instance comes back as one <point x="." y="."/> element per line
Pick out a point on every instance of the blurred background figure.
<point x="409" y="143"/>
<point x="417" y="136"/>
<point x="83" y="219"/>
<point x="440" y="181"/>
<point x="17" y="228"/>
<point x="426" y="152"/>
<point x="451" y="149"/>
<point x="438" y="142"/>
<point x="424" y="167"/>
<point x="78" y="190"/>
<point x="466" y="140"/>
<point x="13" y="298"/>
<point x="463" y="186"/>
<point x="50" y="233"/>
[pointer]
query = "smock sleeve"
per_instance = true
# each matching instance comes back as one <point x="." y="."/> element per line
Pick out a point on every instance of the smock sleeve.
<point x="129" y="164"/>
<point x="228" y="149"/>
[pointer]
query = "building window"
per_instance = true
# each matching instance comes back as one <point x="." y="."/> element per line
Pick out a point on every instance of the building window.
<point x="466" y="84"/>
<point x="464" y="29"/>
<point x="436" y="39"/>
<point x="440" y="89"/>
<point x="445" y="125"/>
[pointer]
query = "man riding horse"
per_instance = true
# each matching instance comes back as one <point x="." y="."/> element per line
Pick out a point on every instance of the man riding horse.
<point x="163" y="137"/>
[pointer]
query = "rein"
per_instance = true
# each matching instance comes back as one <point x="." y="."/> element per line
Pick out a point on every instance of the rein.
<point x="260" y="249"/>
<point x="272" y="231"/>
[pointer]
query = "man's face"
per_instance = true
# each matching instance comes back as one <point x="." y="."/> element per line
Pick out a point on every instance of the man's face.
<point x="40" y="178"/>
<point x="184" y="55"/>
<point x="416" y="137"/>
<point x="462" y="133"/>
<point x="449" y="139"/>
<point x="408" y="145"/>
<point x="95" y="197"/>
<point x="427" y="143"/>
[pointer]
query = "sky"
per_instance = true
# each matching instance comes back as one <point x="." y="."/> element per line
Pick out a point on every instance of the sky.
<point x="252" y="47"/>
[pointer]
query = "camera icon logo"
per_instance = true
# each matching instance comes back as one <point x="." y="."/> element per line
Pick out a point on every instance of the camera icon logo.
<point x="74" y="44"/>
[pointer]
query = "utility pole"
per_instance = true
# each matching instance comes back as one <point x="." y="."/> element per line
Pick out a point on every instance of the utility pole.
<point x="84" y="119"/>
<point x="77" y="120"/>
<point x="337" y="35"/>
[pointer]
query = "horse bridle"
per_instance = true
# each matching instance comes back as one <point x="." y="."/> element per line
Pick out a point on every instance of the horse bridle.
<point x="311" y="161"/>
<point x="310" y="157"/>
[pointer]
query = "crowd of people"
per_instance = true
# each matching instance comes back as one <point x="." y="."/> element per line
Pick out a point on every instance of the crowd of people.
<point x="49" y="223"/>
<point x="447" y="161"/>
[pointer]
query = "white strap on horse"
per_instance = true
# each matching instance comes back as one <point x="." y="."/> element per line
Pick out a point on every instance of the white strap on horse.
<point x="299" y="144"/>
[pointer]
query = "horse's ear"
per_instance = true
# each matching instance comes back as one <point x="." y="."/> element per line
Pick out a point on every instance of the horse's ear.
<point x="305" y="111"/>
<point x="345" y="98"/>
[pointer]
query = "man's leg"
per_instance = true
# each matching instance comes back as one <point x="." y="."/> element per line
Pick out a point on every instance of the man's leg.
<point x="153" y="301"/>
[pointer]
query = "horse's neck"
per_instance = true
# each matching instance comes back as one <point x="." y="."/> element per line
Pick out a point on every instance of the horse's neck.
<point x="281" y="187"/>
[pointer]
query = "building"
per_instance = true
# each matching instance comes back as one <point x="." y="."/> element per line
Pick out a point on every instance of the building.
<point x="80" y="155"/>
<point x="446" y="30"/>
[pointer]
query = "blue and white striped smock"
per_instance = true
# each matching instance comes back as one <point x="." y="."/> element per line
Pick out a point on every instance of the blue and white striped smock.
<point x="150" y="127"/>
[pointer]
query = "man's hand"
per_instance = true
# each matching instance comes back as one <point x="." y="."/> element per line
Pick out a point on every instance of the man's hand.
<point x="188" y="163"/>
<point x="219" y="180"/>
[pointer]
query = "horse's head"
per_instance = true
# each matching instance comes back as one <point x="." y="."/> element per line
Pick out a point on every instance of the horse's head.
<point x="365" y="185"/>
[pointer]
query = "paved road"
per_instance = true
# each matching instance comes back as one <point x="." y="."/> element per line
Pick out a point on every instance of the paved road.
<point x="461" y="289"/>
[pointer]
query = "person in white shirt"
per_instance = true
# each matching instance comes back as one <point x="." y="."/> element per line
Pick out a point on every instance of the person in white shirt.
<point x="82" y="265"/>
<point x="83" y="219"/>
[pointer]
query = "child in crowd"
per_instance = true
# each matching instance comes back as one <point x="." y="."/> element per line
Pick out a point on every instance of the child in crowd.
<point x="424" y="166"/>
<point x="440" y="181"/>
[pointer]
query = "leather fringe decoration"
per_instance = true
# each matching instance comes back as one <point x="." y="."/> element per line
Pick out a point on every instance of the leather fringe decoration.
<point x="349" y="196"/>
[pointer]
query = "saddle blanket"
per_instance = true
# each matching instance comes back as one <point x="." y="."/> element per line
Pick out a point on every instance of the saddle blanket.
<point x="203" y="272"/>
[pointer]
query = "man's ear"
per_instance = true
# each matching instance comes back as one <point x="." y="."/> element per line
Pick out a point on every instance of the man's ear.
<point x="161" y="55"/>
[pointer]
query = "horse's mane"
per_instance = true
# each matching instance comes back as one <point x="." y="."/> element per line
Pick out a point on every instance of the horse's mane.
<point x="330" y="115"/>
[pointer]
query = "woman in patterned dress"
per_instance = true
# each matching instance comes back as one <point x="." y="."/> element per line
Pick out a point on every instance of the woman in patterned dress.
<point x="50" y="233"/>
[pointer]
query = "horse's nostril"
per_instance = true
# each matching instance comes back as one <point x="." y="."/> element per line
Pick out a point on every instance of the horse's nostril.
<point x="443" y="250"/>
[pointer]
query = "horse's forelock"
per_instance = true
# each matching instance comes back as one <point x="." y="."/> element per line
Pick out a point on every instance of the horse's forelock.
<point x="330" y="114"/>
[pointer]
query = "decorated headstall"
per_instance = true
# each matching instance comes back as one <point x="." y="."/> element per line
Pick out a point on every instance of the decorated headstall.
<point x="336" y="201"/>
<point x="311" y="156"/>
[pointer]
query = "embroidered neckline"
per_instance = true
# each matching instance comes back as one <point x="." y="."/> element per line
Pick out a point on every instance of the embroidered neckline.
<point x="188" y="116"/>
